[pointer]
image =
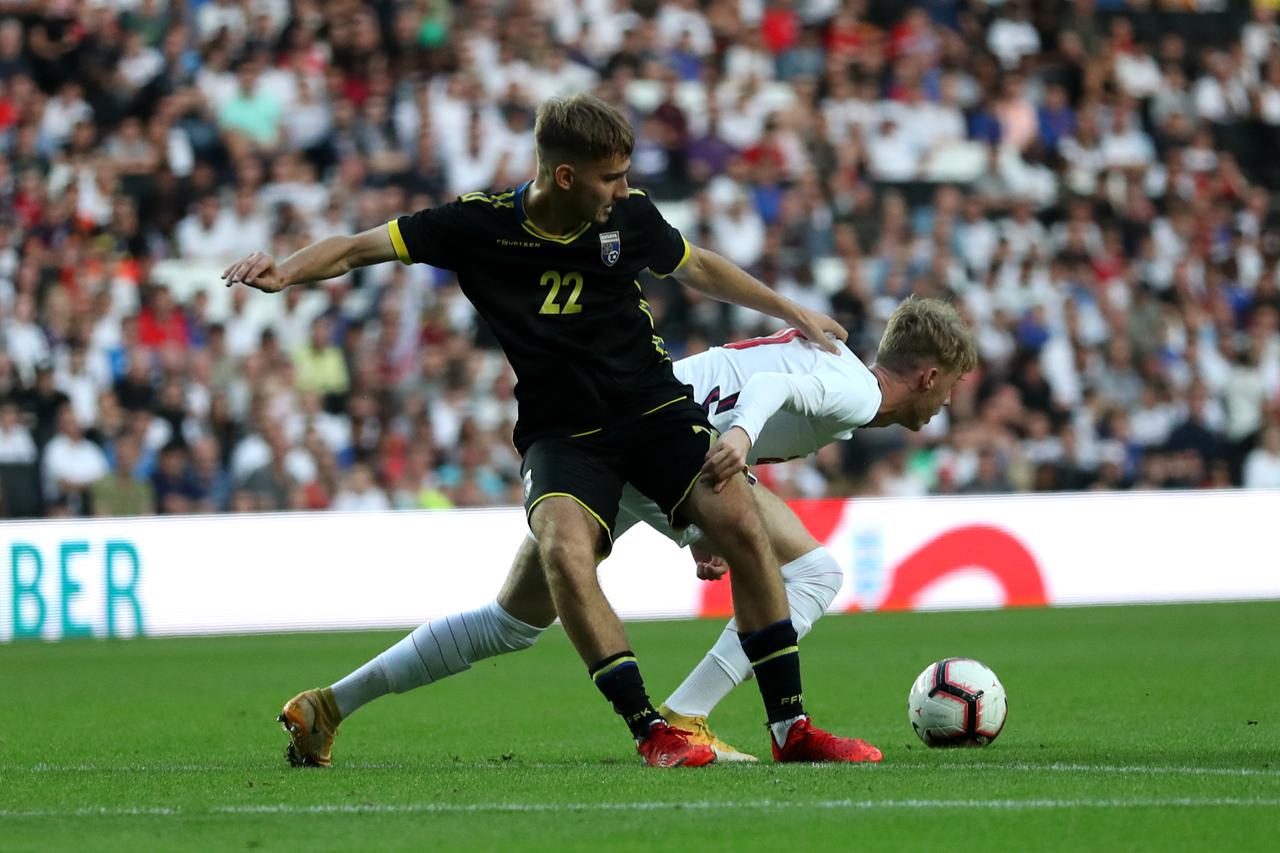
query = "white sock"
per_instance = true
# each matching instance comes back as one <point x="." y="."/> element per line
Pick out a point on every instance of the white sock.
<point x="781" y="729"/>
<point x="812" y="583"/>
<point x="435" y="650"/>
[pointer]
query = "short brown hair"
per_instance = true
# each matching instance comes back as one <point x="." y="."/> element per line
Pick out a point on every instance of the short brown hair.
<point x="580" y="127"/>
<point x="924" y="332"/>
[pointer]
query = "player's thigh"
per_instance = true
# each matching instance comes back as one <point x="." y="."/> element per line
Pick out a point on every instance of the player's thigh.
<point x="524" y="593"/>
<point x="787" y="534"/>
<point x="729" y="519"/>
<point x="571" y="493"/>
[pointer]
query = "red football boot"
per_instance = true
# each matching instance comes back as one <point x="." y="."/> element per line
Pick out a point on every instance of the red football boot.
<point x="806" y="743"/>
<point x="668" y="747"/>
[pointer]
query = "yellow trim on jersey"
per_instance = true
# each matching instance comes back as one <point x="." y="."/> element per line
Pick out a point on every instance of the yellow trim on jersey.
<point x="634" y="191"/>
<point x="688" y="250"/>
<point x="397" y="240"/>
<point x="500" y="200"/>
<point x="779" y="653"/>
<point x="712" y="435"/>
<point x="566" y="239"/>
<point x="664" y="405"/>
<point x="579" y="502"/>
<point x="596" y="676"/>
<point x="588" y="432"/>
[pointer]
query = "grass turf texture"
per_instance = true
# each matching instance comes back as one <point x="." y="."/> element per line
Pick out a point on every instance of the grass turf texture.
<point x="1151" y="728"/>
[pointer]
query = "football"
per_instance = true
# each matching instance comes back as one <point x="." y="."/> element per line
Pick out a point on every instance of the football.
<point x="957" y="702"/>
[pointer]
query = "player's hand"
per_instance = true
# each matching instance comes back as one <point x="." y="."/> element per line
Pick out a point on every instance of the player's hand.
<point x="816" y="326"/>
<point x="728" y="457"/>
<point x="710" y="566"/>
<point x="257" y="270"/>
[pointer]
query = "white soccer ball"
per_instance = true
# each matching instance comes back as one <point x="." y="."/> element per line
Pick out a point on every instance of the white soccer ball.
<point x="957" y="702"/>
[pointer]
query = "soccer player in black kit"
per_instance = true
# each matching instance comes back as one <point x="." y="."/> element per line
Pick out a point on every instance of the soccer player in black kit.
<point x="551" y="266"/>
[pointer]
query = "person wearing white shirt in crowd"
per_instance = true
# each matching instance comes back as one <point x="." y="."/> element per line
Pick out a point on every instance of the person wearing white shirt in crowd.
<point x="1261" y="34"/>
<point x="1126" y="146"/>
<point x="62" y="113"/>
<point x="560" y="75"/>
<point x="17" y="447"/>
<point x="748" y="57"/>
<point x="1012" y="37"/>
<point x="140" y="63"/>
<point x="1262" y="465"/>
<point x="73" y="378"/>
<point x="1219" y="95"/>
<point x="360" y="493"/>
<point x="739" y="232"/>
<point x="894" y="154"/>
<point x="677" y="17"/>
<point x="475" y="165"/>
<point x="219" y="15"/>
<point x="24" y="340"/>
<point x="246" y="224"/>
<point x="1022" y="231"/>
<point x="72" y="463"/>
<point x="977" y="237"/>
<point x="207" y="233"/>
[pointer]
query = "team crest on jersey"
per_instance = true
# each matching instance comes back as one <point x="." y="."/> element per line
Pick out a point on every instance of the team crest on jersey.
<point x="610" y="247"/>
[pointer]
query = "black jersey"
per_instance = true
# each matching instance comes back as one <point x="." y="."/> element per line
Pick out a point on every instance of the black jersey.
<point x="567" y="310"/>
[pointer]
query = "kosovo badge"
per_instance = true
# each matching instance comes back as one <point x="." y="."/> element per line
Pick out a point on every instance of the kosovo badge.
<point x="610" y="247"/>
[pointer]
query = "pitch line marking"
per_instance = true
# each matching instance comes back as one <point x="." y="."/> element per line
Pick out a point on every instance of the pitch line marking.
<point x="704" y="805"/>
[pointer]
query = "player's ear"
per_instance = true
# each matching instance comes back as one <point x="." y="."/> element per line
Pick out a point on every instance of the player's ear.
<point x="928" y="377"/>
<point x="564" y="176"/>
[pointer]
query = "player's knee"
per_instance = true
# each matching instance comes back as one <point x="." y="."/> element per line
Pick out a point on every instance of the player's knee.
<point x="812" y="583"/>
<point x="566" y="558"/>
<point x="510" y="633"/>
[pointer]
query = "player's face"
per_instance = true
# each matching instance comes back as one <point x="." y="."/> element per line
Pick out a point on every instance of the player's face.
<point x="933" y="392"/>
<point x="600" y="185"/>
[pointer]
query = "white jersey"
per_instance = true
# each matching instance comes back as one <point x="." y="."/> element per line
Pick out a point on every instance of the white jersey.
<point x="791" y="397"/>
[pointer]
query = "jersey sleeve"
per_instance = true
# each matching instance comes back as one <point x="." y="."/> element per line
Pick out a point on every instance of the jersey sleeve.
<point x="668" y="249"/>
<point x="429" y="236"/>
<point x="765" y="393"/>
<point x="833" y="396"/>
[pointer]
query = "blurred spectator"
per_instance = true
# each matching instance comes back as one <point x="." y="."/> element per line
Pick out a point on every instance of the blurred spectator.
<point x="359" y="493"/>
<point x="17" y="447"/>
<point x="71" y="464"/>
<point x="120" y="493"/>
<point x="1262" y="466"/>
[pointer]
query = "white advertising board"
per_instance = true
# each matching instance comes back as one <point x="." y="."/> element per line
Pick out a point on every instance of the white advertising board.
<point x="318" y="571"/>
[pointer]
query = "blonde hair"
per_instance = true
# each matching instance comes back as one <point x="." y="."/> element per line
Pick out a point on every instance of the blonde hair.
<point x="580" y="127"/>
<point x="927" y="332"/>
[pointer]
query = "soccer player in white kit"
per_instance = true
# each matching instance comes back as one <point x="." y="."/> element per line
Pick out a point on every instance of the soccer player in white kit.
<point x="772" y="399"/>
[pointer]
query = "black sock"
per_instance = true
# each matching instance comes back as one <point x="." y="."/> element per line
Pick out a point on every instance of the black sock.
<point x="618" y="677"/>
<point x="775" y="658"/>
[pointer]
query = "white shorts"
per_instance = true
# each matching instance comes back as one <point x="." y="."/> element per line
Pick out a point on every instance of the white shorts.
<point x="635" y="508"/>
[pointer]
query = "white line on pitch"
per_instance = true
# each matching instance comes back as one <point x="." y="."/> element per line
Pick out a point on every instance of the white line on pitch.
<point x="704" y="805"/>
<point x="1059" y="767"/>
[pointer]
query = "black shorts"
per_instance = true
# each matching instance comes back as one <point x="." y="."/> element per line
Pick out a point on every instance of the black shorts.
<point x="660" y="453"/>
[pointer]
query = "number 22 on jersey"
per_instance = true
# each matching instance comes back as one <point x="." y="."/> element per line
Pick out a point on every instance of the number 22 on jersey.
<point x="555" y="281"/>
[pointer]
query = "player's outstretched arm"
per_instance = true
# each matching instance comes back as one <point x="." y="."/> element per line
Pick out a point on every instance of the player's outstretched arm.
<point x="327" y="258"/>
<point x="709" y="273"/>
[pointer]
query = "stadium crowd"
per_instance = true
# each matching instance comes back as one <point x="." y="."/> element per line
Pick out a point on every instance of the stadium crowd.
<point x="1089" y="180"/>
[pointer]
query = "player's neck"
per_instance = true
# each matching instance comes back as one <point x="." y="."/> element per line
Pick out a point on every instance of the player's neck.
<point x="893" y="393"/>
<point x="541" y="209"/>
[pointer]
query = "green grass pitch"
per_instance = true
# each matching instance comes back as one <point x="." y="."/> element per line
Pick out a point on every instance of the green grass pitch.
<point x="1130" y="728"/>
